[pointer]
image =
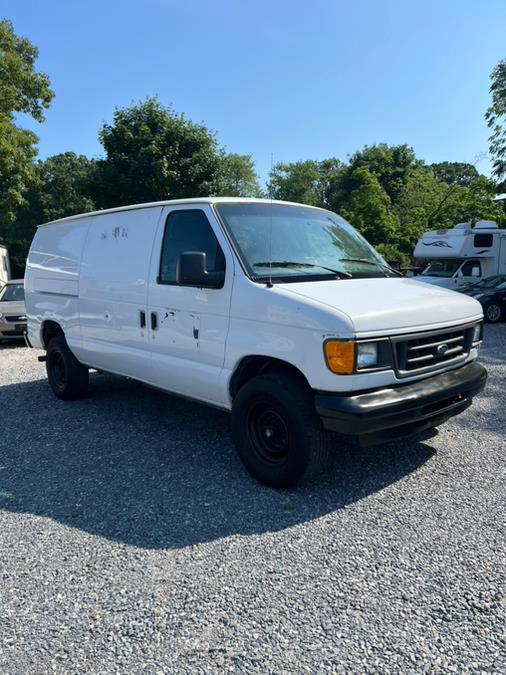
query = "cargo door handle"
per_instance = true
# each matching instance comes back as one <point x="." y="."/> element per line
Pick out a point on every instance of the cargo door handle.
<point x="154" y="320"/>
<point x="142" y="318"/>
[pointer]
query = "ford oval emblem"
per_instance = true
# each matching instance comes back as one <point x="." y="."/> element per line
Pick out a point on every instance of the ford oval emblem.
<point x="442" y="349"/>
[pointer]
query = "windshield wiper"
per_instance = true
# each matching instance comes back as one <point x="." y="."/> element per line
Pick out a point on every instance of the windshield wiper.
<point x="289" y="263"/>
<point x="372" y="262"/>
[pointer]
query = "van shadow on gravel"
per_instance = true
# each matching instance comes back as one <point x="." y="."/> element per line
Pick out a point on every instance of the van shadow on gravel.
<point x="151" y="470"/>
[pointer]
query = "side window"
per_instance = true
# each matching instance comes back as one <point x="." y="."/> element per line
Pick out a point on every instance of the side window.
<point x="468" y="267"/>
<point x="483" y="240"/>
<point x="185" y="232"/>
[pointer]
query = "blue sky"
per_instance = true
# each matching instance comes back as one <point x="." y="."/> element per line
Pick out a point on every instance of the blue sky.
<point x="294" y="78"/>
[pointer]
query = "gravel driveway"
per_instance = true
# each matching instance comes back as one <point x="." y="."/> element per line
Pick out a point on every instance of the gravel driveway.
<point x="131" y="539"/>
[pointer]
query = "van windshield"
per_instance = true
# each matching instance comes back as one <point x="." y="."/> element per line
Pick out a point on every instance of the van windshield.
<point x="294" y="243"/>
<point x="442" y="268"/>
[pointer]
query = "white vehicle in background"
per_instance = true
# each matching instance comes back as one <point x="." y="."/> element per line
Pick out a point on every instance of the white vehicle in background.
<point x="280" y="313"/>
<point x="462" y="255"/>
<point x="5" y="268"/>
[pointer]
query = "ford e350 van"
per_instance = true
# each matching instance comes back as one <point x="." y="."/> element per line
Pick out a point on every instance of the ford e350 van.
<point x="280" y="313"/>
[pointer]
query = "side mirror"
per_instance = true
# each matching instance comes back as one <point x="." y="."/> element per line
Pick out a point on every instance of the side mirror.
<point x="191" y="271"/>
<point x="475" y="272"/>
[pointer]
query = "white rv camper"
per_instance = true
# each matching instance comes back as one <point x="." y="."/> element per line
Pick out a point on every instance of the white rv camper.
<point x="463" y="254"/>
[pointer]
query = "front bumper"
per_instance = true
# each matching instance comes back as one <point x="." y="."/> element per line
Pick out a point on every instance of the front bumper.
<point x="392" y="412"/>
<point x="10" y="331"/>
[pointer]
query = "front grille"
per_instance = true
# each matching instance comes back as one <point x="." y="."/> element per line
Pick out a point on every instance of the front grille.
<point x="20" y="318"/>
<point x="429" y="351"/>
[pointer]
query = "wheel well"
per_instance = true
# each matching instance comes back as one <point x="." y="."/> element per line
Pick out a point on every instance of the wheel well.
<point x="50" y="329"/>
<point x="250" y="366"/>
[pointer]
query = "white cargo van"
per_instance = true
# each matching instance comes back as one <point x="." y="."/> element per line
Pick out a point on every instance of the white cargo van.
<point x="280" y="313"/>
<point x="463" y="254"/>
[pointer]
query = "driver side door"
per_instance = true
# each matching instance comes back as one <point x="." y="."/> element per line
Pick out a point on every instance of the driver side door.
<point x="465" y="274"/>
<point x="188" y="326"/>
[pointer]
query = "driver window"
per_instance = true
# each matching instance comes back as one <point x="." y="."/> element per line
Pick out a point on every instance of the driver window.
<point x="188" y="231"/>
<point x="467" y="268"/>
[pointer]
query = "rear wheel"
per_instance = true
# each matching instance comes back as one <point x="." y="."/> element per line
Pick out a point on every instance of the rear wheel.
<point x="493" y="312"/>
<point x="277" y="432"/>
<point x="67" y="377"/>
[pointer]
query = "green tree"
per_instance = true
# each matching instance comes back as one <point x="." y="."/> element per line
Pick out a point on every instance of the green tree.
<point x="390" y="164"/>
<point x="306" y="182"/>
<point x="153" y="153"/>
<point x="393" y="254"/>
<point x="359" y="197"/>
<point x="455" y="173"/>
<point x="426" y="203"/>
<point x="420" y="197"/>
<point x="496" y="120"/>
<point x="55" y="188"/>
<point x="22" y="90"/>
<point x="237" y="177"/>
<point x="473" y="203"/>
<point x="17" y="151"/>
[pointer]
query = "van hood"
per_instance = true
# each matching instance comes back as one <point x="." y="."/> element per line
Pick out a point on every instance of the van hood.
<point x="389" y="305"/>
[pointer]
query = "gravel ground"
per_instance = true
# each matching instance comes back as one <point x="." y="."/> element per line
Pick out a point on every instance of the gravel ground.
<point x="132" y="540"/>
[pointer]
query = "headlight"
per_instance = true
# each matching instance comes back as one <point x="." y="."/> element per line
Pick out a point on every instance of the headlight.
<point x="477" y="333"/>
<point x="22" y="317"/>
<point x="340" y="356"/>
<point x="345" y="357"/>
<point x="367" y="355"/>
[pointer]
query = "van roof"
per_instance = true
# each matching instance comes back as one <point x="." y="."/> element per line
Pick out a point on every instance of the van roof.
<point x="175" y="202"/>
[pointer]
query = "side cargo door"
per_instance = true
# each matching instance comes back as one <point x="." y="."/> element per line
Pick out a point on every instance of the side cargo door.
<point x="113" y="292"/>
<point x="189" y="326"/>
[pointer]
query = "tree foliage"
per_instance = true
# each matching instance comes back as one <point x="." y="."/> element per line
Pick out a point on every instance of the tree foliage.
<point x="455" y="173"/>
<point x="24" y="90"/>
<point x="359" y="197"/>
<point x="21" y="88"/>
<point x="17" y="151"/>
<point x="496" y="120"/>
<point x="305" y="182"/>
<point x="56" y="188"/>
<point x="388" y="194"/>
<point x="153" y="153"/>
<point x="390" y="164"/>
<point x="237" y="177"/>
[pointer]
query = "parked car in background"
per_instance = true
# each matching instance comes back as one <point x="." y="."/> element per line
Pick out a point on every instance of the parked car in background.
<point x="491" y="294"/>
<point x="12" y="310"/>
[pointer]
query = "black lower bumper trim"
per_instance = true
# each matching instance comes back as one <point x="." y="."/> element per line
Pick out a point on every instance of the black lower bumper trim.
<point x="391" y="412"/>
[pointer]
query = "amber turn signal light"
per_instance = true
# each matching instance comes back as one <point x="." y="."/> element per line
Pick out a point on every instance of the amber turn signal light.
<point x="340" y="356"/>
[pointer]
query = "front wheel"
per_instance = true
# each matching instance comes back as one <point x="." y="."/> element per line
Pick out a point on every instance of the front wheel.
<point x="276" y="430"/>
<point x="67" y="377"/>
<point x="492" y="312"/>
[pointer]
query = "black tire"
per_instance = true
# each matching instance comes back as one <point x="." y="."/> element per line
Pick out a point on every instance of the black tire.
<point x="277" y="433"/>
<point x="67" y="377"/>
<point x="492" y="312"/>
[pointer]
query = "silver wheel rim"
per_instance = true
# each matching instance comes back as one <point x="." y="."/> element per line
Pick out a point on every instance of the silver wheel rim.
<point x="493" y="312"/>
